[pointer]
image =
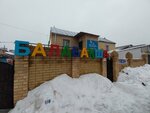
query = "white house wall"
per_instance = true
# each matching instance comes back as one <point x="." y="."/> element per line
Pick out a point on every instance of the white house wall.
<point x="135" y="52"/>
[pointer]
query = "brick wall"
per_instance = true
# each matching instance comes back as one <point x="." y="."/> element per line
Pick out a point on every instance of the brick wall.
<point x="134" y="62"/>
<point x="90" y="66"/>
<point x="30" y="72"/>
<point x="20" y="78"/>
<point x="138" y="62"/>
<point x="122" y="66"/>
<point x="42" y="69"/>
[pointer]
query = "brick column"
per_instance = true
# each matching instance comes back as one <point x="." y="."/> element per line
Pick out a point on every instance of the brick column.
<point x="20" y="78"/>
<point x="114" y="56"/>
<point x="145" y="58"/>
<point x="103" y="67"/>
<point x="129" y="57"/>
<point x="75" y="67"/>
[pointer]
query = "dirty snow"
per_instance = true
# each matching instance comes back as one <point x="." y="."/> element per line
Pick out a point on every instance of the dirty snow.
<point x="91" y="93"/>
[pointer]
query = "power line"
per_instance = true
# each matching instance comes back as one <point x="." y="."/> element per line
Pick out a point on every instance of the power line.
<point x="6" y="42"/>
<point x="15" y="27"/>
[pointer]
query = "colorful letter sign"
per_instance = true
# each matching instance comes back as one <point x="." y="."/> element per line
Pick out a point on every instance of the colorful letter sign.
<point x="84" y="53"/>
<point x="75" y="52"/>
<point x="38" y="50"/>
<point x="66" y="52"/>
<point x="22" y="49"/>
<point x="91" y="53"/>
<point x="99" y="53"/>
<point x="56" y="48"/>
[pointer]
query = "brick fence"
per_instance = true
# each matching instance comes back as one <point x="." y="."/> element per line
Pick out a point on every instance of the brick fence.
<point x="30" y="72"/>
<point x="134" y="62"/>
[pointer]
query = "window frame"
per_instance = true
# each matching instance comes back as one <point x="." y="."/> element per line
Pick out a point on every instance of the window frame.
<point x="64" y="42"/>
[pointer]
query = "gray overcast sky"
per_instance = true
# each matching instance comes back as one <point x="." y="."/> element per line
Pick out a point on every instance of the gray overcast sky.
<point x="122" y="21"/>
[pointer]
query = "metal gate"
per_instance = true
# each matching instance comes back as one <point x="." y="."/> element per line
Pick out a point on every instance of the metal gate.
<point x="110" y="69"/>
<point x="148" y="59"/>
<point x="6" y="85"/>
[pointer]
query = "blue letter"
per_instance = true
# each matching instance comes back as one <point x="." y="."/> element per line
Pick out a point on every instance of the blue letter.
<point x="98" y="53"/>
<point x="75" y="52"/>
<point x="21" y="51"/>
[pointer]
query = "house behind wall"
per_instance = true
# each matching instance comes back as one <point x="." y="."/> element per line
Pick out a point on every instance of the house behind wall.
<point x="58" y="36"/>
<point x="106" y="44"/>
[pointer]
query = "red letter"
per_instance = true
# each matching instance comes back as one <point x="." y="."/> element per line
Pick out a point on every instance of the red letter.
<point x="106" y="55"/>
<point x="56" y="48"/>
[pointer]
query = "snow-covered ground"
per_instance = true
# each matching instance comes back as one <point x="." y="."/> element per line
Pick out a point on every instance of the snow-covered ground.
<point x="91" y="93"/>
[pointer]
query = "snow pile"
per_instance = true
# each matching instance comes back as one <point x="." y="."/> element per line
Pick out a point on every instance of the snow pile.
<point x="91" y="93"/>
<point x="135" y="75"/>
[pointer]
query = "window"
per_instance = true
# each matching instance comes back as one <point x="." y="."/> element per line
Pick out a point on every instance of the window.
<point x="66" y="43"/>
<point x="107" y="47"/>
<point x="80" y="45"/>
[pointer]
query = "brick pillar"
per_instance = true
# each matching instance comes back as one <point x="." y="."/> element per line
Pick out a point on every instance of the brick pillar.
<point x="75" y="67"/>
<point x="114" y="56"/>
<point x="103" y="67"/>
<point x="145" y="58"/>
<point x="20" y="78"/>
<point x="129" y="57"/>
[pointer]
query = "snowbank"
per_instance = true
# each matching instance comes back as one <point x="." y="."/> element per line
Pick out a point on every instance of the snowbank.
<point x="135" y="75"/>
<point x="91" y="93"/>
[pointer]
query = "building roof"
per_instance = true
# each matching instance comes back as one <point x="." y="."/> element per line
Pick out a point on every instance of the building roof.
<point x="84" y="33"/>
<point x="124" y="47"/>
<point x="136" y="46"/>
<point x="133" y="47"/>
<point x="105" y="40"/>
<point x="76" y="34"/>
<point x="9" y="53"/>
<point x="63" y="32"/>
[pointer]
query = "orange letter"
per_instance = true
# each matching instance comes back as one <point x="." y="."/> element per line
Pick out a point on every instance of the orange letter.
<point x="84" y="53"/>
<point x="38" y="50"/>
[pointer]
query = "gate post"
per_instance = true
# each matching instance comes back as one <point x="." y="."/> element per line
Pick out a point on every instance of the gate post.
<point x="129" y="57"/>
<point x="103" y="67"/>
<point x="20" y="78"/>
<point x="114" y="56"/>
<point x="145" y="58"/>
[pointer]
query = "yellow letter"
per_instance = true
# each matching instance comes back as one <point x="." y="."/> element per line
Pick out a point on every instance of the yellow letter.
<point x="84" y="53"/>
<point x="39" y="50"/>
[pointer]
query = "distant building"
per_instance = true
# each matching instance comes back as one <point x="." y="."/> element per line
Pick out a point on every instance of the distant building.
<point x="12" y="51"/>
<point x="80" y="39"/>
<point x="3" y="50"/>
<point x="5" y="56"/>
<point x="136" y="50"/>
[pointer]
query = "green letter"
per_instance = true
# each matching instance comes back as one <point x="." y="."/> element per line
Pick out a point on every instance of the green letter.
<point x="66" y="52"/>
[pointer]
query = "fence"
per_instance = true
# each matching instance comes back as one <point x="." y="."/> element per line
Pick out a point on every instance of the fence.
<point x="30" y="72"/>
<point x="134" y="62"/>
